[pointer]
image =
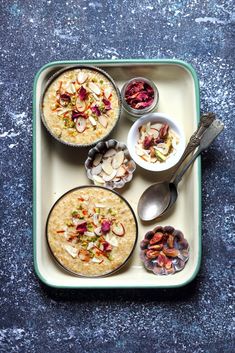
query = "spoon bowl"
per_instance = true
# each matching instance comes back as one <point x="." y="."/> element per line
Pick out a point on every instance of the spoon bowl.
<point x="157" y="197"/>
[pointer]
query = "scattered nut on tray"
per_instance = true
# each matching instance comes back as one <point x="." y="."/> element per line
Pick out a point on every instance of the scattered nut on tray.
<point x="111" y="166"/>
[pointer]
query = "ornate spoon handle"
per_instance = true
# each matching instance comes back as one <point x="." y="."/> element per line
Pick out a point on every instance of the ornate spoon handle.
<point x="210" y="134"/>
<point x="205" y="121"/>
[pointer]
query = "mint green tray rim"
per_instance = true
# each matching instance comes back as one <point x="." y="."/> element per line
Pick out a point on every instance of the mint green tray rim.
<point x="121" y="62"/>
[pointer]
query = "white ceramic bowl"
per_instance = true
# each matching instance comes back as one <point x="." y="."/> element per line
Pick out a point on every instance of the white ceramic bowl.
<point x="134" y="134"/>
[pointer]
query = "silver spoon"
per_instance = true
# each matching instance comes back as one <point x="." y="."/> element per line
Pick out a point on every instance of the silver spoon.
<point x="209" y="136"/>
<point x="156" y="198"/>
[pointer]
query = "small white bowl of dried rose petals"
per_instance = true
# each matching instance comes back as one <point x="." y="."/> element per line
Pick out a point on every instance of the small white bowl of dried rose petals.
<point x="156" y="142"/>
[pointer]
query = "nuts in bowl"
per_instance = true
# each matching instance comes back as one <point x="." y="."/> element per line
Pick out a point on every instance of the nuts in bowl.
<point x="156" y="142"/>
<point x="81" y="105"/>
<point x="109" y="164"/>
<point x="164" y="250"/>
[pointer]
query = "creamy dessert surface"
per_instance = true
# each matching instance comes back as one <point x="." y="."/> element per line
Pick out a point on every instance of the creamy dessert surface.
<point x="81" y="106"/>
<point x="91" y="231"/>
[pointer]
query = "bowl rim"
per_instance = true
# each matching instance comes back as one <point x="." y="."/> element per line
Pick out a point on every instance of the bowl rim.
<point x="133" y="247"/>
<point x="74" y="67"/>
<point x="155" y="117"/>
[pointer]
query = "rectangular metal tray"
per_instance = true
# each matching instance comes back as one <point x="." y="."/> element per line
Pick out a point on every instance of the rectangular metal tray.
<point x="58" y="168"/>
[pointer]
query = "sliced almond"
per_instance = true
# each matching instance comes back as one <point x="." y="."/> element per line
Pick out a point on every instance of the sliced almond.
<point x="62" y="111"/>
<point x="107" y="92"/>
<point x="154" y="132"/>
<point x="116" y="179"/>
<point x="162" y="147"/>
<point x="118" y="229"/>
<point x="96" y="170"/>
<point x="110" y="153"/>
<point x="118" y="159"/>
<point x="96" y="260"/>
<point x="110" y="177"/>
<point x="94" y="88"/>
<point x="97" y="159"/>
<point x="139" y="150"/>
<point x="90" y="245"/>
<point x="70" y="88"/>
<point x="80" y="124"/>
<point x="95" y="96"/>
<point x="121" y="171"/>
<point x="98" y="231"/>
<point x="81" y="77"/>
<point x="146" y="157"/>
<point x="96" y="219"/>
<point x="148" y="127"/>
<point x="99" y="205"/>
<point x="112" y="240"/>
<point x="92" y="121"/>
<point x="98" y="180"/>
<point x="89" y="234"/>
<point x="157" y="126"/>
<point x="80" y="105"/>
<point x="107" y="167"/>
<point x="71" y="250"/>
<point x="103" y="121"/>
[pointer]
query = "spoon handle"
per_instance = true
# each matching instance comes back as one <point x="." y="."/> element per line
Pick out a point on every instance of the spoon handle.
<point x="205" y="121"/>
<point x="209" y="136"/>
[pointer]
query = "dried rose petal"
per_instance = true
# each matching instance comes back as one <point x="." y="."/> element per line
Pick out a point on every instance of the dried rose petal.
<point x="148" y="142"/>
<point x="107" y="104"/>
<point x="139" y="95"/>
<point x="82" y="228"/>
<point x="105" y="226"/>
<point x="107" y="246"/>
<point x="82" y="93"/>
<point x="95" y="109"/>
<point x="65" y="97"/>
<point x="76" y="115"/>
<point x="163" y="131"/>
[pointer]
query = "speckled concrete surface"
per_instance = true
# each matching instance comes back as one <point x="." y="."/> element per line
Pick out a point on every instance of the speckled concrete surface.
<point x="34" y="318"/>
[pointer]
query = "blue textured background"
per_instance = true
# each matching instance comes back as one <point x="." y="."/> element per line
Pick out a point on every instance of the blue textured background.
<point x="34" y="318"/>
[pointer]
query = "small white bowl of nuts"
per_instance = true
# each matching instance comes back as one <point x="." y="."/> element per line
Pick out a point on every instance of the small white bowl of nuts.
<point x="156" y="142"/>
<point x="109" y="164"/>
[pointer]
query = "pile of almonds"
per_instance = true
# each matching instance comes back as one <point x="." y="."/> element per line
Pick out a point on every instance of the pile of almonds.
<point x="110" y="166"/>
